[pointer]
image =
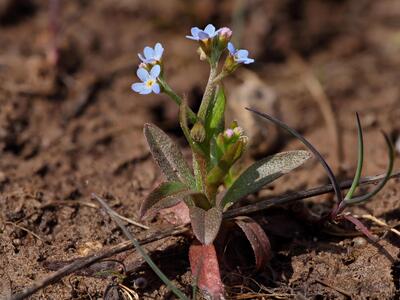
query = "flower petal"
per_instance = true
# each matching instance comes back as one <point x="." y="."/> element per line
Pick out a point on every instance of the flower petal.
<point x="242" y="53"/>
<point x="158" y="51"/>
<point x="155" y="71"/>
<point x="137" y="86"/>
<point x="203" y="35"/>
<point x="141" y="57"/>
<point x="210" y="30"/>
<point x="194" y="31"/>
<point x="146" y="90"/>
<point x="148" y="52"/>
<point x="248" y="61"/>
<point x="156" y="88"/>
<point x="192" y="38"/>
<point x="142" y="74"/>
<point x="231" y="48"/>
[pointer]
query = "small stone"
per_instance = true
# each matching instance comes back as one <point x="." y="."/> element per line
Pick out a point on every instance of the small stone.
<point x="359" y="242"/>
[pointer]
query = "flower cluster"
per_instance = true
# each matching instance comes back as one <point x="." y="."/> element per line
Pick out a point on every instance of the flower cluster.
<point x="212" y="44"/>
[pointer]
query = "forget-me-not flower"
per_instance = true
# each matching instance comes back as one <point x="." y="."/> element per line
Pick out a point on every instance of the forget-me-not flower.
<point x="198" y="34"/>
<point x="149" y="81"/>
<point x="240" y="56"/>
<point x="152" y="55"/>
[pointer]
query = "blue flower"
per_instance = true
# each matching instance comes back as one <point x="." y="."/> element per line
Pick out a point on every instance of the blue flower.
<point x="152" y="55"/>
<point x="198" y="34"/>
<point x="149" y="81"/>
<point x="240" y="56"/>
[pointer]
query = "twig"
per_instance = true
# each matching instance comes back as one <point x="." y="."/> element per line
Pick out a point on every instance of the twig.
<point x="337" y="289"/>
<point x="24" y="229"/>
<point x="291" y="197"/>
<point x="127" y="245"/>
<point x="88" y="260"/>
<point x="378" y="222"/>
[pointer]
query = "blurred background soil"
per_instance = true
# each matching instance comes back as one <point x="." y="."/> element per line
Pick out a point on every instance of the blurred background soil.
<point x="70" y="125"/>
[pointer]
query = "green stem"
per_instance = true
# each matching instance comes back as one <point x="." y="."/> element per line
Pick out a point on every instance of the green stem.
<point x="360" y="161"/>
<point x="219" y="77"/>
<point x="177" y="99"/>
<point x="208" y="93"/>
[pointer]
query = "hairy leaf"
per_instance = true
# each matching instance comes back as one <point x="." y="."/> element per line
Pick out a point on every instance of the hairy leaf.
<point x="263" y="172"/>
<point x="205" y="270"/>
<point x="168" y="156"/>
<point x="205" y="223"/>
<point x="318" y="155"/>
<point x="168" y="194"/>
<point x="258" y="240"/>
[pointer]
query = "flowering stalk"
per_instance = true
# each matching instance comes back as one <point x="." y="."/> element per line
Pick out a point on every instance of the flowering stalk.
<point x="177" y="99"/>
<point x="208" y="93"/>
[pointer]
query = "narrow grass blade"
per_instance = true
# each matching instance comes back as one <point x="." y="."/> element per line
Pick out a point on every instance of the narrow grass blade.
<point x="318" y="155"/>
<point x="384" y="180"/>
<point x="139" y="248"/>
<point x="360" y="161"/>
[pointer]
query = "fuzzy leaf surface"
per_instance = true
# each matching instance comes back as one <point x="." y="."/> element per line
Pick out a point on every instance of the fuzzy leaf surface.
<point x="258" y="240"/>
<point x="168" y="156"/>
<point x="263" y="172"/>
<point x="205" y="223"/>
<point x="166" y="195"/>
<point x="205" y="270"/>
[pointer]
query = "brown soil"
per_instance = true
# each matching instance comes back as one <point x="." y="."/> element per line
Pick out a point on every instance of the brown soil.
<point x="74" y="129"/>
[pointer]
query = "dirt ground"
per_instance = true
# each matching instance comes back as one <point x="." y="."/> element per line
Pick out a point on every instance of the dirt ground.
<point x="73" y="128"/>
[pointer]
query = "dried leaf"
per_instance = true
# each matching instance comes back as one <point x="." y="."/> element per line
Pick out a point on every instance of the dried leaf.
<point x="258" y="240"/>
<point x="205" y="270"/>
<point x="168" y="194"/>
<point x="205" y="223"/>
<point x="263" y="172"/>
<point x="168" y="156"/>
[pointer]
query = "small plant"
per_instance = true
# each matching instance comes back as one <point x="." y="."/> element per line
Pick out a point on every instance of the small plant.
<point x="215" y="183"/>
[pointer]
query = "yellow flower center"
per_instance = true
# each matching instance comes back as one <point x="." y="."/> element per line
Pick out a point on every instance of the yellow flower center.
<point x="150" y="82"/>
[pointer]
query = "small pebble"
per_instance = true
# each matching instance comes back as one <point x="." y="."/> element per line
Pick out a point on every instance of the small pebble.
<point x="140" y="283"/>
<point x="359" y="242"/>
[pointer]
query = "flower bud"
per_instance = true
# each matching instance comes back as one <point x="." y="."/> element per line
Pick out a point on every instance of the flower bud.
<point x="198" y="132"/>
<point x="230" y="64"/>
<point x="224" y="36"/>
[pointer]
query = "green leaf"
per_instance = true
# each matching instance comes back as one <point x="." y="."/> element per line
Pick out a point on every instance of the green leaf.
<point x="381" y="184"/>
<point x="310" y="147"/>
<point x="214" y="122"/>
<point x="360" y="161"/>
<point x="263" y="172"/>
<point x="168" y="156"/>
<point x="205" y="223"/>
<point x="168" y="194"/>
